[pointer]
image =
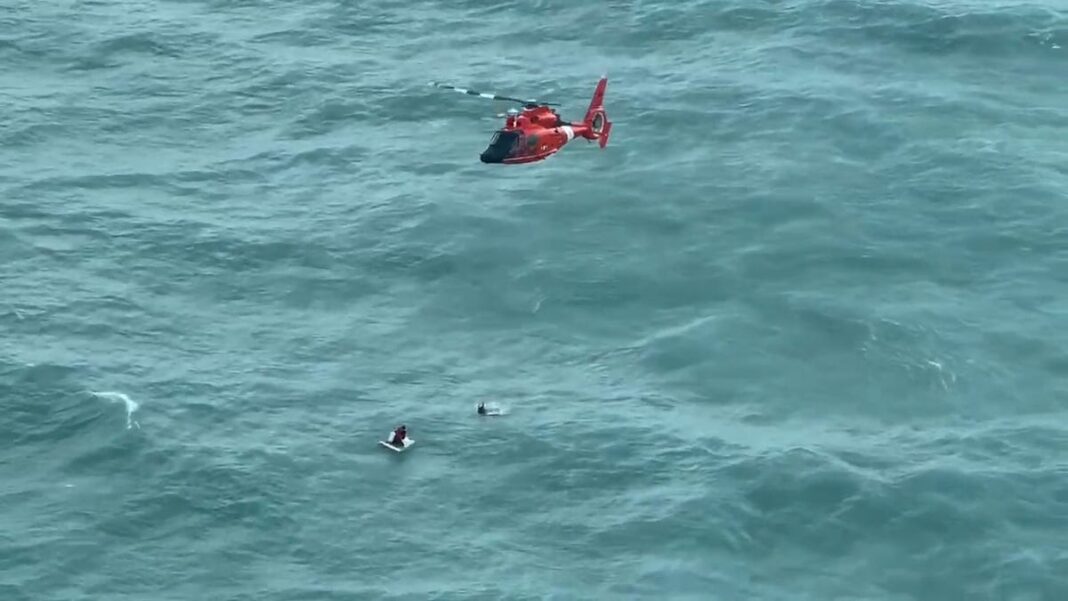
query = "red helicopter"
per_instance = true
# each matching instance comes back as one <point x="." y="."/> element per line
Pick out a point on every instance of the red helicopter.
<point x="537" y="132"/>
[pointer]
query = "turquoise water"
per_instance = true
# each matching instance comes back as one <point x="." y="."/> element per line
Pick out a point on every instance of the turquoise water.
<point x="796" y="333"/>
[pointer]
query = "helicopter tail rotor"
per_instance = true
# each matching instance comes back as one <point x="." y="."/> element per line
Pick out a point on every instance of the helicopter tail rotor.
<point x="596" y="120"/>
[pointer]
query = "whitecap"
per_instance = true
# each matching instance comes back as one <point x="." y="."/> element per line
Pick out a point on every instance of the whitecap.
<point x="117" y="397"/>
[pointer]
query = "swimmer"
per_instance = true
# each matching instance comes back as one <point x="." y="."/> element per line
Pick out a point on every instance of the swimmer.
<point x="399" y="435"/>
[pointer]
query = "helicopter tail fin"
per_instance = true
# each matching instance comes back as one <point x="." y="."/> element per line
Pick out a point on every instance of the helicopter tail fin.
<point x="596" y="117"/>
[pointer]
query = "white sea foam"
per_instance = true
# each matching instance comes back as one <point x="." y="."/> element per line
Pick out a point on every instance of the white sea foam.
<point x="118" y="397"/>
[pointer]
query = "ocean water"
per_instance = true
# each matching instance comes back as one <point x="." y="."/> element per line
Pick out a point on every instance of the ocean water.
<point x="798" y="332"/>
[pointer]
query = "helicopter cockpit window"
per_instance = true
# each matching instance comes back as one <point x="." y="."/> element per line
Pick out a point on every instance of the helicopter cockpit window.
<point x="504" y="140"/>
<point x="500" y="147"/>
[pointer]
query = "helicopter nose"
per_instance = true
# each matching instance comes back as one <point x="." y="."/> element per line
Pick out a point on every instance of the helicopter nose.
<point x="490" y="157"/>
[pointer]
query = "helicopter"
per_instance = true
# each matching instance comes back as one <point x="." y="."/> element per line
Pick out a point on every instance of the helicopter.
<point x="537" y="132"/>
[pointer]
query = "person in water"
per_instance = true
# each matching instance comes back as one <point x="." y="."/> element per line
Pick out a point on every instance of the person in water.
<point x="482" y="408"/>
<point x="399" y="435"/>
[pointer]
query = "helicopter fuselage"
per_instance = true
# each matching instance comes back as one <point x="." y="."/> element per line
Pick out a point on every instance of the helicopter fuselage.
<point x="531" y="135"/>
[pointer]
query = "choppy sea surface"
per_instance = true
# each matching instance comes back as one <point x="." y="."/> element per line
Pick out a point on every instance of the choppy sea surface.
<point x="798" y="333"/>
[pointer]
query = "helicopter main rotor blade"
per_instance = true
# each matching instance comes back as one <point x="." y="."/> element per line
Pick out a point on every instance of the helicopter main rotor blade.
<point x="490" y="96"/>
